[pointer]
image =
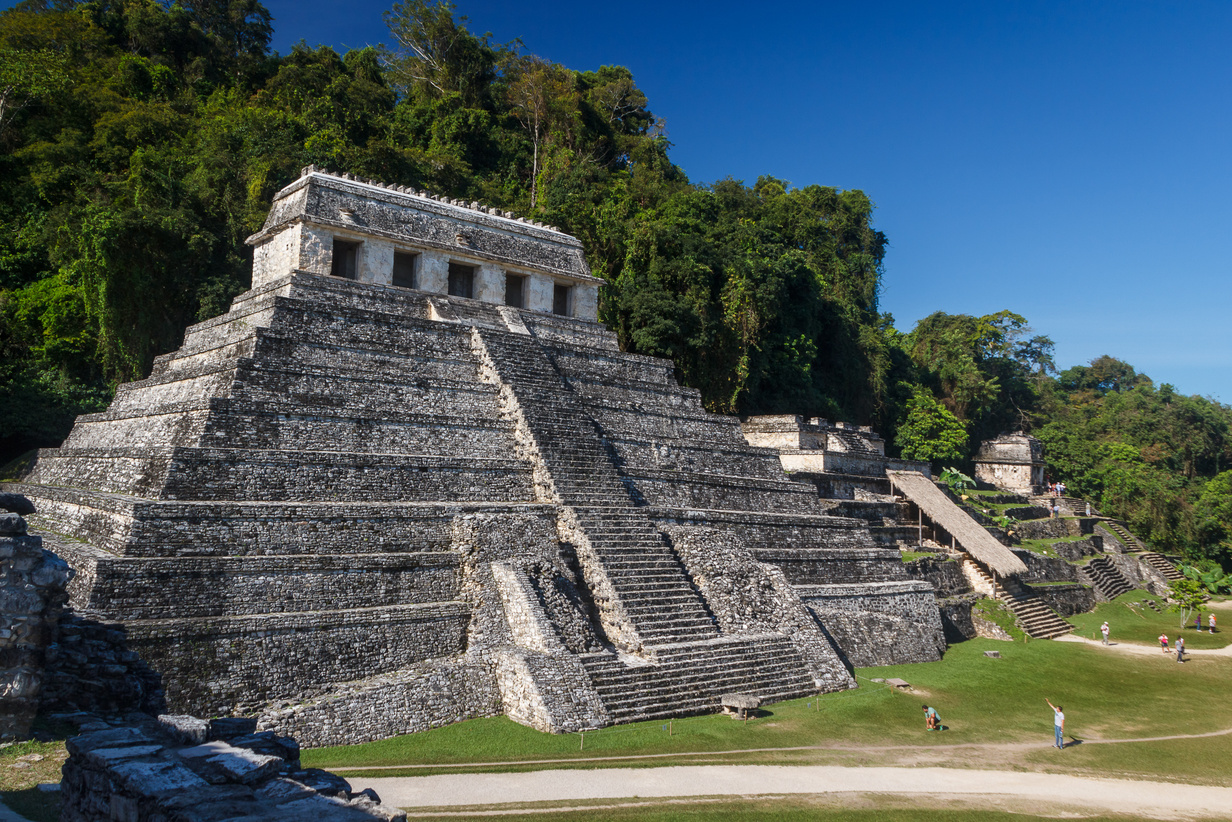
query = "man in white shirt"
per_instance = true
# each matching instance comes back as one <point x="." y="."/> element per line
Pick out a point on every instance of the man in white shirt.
<point x="1058" y="724"/>
<point x="1103" y="629"/>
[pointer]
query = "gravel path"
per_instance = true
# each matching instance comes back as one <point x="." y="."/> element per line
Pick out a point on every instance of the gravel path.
<point x="1145" y="650"/>
<point x="1144" y="799"/>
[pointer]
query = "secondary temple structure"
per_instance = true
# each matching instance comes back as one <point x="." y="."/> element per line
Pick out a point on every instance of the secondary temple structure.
<point x="409" y="479"/>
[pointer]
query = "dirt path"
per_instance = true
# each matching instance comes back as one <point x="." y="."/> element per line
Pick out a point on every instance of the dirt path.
<point x="1051" y="791"/>
<point x="1144" y="650"/>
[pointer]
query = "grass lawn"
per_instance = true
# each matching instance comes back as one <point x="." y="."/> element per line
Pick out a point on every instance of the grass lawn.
<point x="1141" y="625"/>
<point x="22" y="767"/>
<point x="993" y="703"/>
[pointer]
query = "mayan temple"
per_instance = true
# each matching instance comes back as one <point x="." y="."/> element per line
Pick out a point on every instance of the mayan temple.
<point x="410" y="479"/>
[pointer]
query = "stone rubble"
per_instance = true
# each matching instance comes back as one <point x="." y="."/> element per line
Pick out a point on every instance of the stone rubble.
<point x="185" y="769"/>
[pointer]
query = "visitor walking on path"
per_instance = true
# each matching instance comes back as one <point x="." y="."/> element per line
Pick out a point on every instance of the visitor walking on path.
<point x="1103" y="629"/>
<point x="1180" y="649"/>
<point x="1163" y="642"/>
<point x="1058" y="724"/>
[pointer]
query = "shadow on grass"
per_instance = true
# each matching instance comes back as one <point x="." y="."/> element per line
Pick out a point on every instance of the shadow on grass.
<point x="35" y="805"/>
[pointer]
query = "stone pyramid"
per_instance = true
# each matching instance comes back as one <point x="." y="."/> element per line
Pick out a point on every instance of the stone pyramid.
<point x="409" y="479"/>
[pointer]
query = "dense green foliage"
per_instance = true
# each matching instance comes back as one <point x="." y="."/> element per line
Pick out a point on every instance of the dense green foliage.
<point x="142" y="140"/>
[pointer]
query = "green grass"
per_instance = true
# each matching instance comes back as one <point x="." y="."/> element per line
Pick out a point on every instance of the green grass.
<point x="911" y="556"/>
<point x="19" y="777"/>
<point x="980" y="700"/>
<point x="996" y="613"/>
<point x="1143" y="626"/>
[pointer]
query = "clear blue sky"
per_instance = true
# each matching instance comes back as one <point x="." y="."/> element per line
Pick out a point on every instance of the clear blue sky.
<point x="1066" y="160"/>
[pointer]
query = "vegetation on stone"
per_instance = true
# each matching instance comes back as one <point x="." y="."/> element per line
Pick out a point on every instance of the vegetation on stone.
<point x="141" y="142"/>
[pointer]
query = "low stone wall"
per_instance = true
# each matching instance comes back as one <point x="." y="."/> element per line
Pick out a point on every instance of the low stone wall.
<point x="1055" y="528"/>
<point x="1066" y="599"/>
<point x="1042" y="568"/>
<point x="32" y="594"/>
<point x="956" y="617"/>
<point x="90" y="667"/>
<point x="942" y="572"/>
<point x="184" y="768"/>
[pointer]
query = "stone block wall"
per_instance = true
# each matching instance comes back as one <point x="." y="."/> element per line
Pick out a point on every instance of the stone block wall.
<point x="942" y="572"/>
<point x="1066" y="599"/>
<point x="887" y="623"/>
<point x="32" y="583"/>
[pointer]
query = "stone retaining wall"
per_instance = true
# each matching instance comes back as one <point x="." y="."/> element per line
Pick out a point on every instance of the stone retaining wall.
<point x="32" y="583"/>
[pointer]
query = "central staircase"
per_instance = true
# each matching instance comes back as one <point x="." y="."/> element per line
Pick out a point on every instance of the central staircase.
<point x="644" y="594"/>
<point x="668" y="657"/>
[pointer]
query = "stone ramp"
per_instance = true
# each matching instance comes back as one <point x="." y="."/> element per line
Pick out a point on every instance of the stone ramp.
<point x="970" y="534"/>
<point x="690" y="678"/>
<point x="643" y="592"/>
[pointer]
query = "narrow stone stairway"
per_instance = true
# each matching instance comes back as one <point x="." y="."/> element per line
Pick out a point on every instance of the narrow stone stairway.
<point x="1161" y="564"/>
<point x="1103" y="575"/>
<point x="1036" y="619"/>
<point x="1127" y="539"/>
<point x="652" y="590"/>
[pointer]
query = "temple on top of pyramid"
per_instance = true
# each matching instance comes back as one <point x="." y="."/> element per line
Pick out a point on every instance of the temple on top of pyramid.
<point x="390" y="235"/>
<point x="407" y="479"/>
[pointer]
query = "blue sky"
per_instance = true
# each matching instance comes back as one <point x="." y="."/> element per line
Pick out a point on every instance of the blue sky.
<point x="1066" y="160"/>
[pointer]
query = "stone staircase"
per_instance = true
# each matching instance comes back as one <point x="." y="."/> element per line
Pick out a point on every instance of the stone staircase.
<point x="1103" y="575"/>
<point x="1161" y="564"/>
<point x="644" y="594"/>
<point x="1034" y="617"/>
<point x="690" y="678"/>
<point x="1127" y="539"/>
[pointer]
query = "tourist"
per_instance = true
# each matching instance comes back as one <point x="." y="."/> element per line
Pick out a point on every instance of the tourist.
<point x="1163" y="642"/>
<point x="932" y="722"/>
<point x="1197" y="622"/>
<point x="1058" y="724"/>
<point x="1103" y="629"/>
<point x="1061" y="488"/>
<point x="1211" y="622"/>
<point x="1180" y="649"/>
<point x="1088" y="508"/>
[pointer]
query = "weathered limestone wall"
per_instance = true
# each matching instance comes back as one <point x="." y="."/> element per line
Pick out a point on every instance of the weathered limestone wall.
<point x="882" y="624"/>
<point x="32" y="583"/>
<point x="943" y="573"/>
